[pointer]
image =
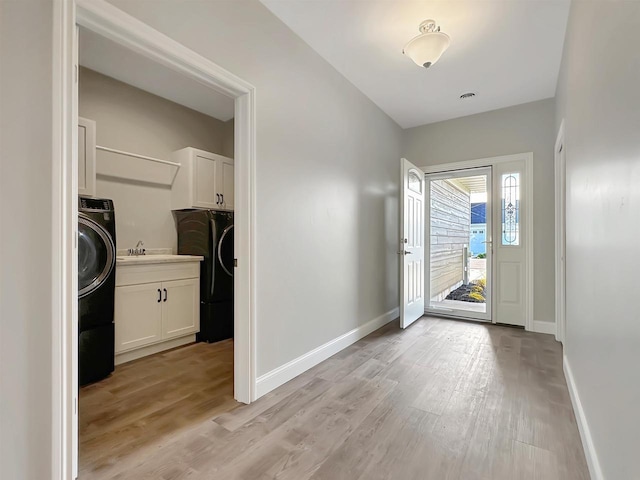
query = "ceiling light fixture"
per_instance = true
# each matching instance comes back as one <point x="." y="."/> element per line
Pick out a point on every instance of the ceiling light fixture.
<point x="428" y="47"/>
<point x="467" y="95"/>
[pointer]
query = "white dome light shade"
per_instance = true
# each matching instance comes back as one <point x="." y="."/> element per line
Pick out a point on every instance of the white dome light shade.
<point x="427" y="48"/>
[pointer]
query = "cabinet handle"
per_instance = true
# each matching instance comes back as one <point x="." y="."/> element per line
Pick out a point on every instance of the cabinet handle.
<point x="218" y="197"/>
<point x="222" y="195"/>
<point x="159" y="295"/>
<point x="165" y="294"/>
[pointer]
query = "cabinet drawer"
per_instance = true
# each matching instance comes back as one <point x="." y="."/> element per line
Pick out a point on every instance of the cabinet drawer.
<point x="137" y="274"/>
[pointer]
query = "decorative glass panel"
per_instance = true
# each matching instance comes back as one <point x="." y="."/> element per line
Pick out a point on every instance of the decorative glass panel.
<point x="510" y="209"/>
<point x="415" y="182"/>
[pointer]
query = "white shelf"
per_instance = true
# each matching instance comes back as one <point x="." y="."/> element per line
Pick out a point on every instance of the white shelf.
<point x="111" y="162"/>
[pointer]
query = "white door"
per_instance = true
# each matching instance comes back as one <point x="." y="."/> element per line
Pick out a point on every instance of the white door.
<point x="226" y="177"/>
<point x="181" y="307"/>
<point x="459" y="234"/>
<point x="137" y="315"/>
<point x="204" y="180"/>
<point x="509" y="245"/>
<point x="86" y="157"/>
<point x="411" y="249"/>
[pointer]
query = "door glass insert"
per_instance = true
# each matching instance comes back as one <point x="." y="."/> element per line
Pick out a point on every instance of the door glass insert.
<point x="415" y="182"/>
<point x="510" y="209"/>
<point x="458" y="223"/>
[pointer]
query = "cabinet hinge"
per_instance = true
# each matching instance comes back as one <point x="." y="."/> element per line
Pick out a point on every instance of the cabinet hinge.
<point x="235" y="262"/>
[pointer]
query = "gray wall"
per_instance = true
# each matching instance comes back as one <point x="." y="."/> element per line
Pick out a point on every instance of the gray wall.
<point x="25" y="239"/>
<point x="133" y="120"/>
<point x="599" y="100"/>
<point x="523" y="128"/>
<point x="228" y="138"/>
<point x="327" y="176"/>
<point x="449" y="232"/>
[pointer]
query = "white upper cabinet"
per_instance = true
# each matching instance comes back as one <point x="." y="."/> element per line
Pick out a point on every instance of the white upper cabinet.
<point x="204" y="180"/>
<point x="226" y="181"/>
<point x="86" y="157"/>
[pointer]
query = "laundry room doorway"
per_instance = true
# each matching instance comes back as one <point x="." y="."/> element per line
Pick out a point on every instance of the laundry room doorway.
<point x="108" y="25"/>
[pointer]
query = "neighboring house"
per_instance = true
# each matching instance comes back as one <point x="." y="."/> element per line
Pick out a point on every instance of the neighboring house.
<point x="478" y="229"/>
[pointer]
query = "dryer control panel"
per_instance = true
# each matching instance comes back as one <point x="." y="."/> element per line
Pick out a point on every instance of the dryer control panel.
<point x="88" y="204"/>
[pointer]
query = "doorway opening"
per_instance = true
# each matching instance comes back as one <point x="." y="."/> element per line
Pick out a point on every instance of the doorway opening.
<point x="176" y="302"/>
<point x="459" y="226"/>
<point x="156" y="178"/>
<point x="508" y="233"/>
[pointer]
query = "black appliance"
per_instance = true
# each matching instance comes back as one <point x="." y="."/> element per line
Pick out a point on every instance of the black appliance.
<point x="209" y="233"/>
<point x="96" y="288"/>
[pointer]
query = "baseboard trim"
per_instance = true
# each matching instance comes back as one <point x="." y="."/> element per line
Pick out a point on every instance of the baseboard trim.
<point x="281" y="375"/>
<point x="583" y="426"/>
<point x="544" y="327"/>
<point x="131" y="355"/>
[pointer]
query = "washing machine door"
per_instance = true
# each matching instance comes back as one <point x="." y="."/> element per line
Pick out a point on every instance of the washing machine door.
<point x="225" y="250"/>
<point x="96" y="255"/>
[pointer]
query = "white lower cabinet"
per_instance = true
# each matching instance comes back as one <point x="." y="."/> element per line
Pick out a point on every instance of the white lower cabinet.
<point x="155" y="316"/>
<point x="181" y="310"/>
<point x="138" y="312"/>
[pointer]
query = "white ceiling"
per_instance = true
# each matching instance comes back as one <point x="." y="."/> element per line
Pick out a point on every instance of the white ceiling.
<point x="111" y="59"/>
<point x="506" y="51"/>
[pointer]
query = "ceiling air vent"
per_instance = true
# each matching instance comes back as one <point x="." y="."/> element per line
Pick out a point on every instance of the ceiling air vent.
<point x="467" y="95"/>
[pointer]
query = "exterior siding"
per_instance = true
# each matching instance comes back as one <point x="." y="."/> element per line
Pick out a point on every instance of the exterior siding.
<point x="450" y="228"/>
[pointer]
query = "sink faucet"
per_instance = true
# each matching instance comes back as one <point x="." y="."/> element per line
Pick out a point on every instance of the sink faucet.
<point x="139" y="250"/>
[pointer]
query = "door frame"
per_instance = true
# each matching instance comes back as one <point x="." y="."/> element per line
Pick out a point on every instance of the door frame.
<point x="116" y="25"/>
<point x="560" y="235"/>
<point x="527" y="157"/>
<point x="488" y="170"/>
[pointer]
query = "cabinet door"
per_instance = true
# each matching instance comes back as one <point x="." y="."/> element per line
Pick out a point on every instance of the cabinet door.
<point x="204" y="181"/>
<point x="86" y="157"/>
<point x="226" y="179"/>
<point x="138" y="315"/>
<point x="180" y="307"/>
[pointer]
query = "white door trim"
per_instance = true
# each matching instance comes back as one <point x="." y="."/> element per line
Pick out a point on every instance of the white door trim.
<point x="490" y="162"/>
<point x="560" y="236"/>
<point x="114" y="24"/>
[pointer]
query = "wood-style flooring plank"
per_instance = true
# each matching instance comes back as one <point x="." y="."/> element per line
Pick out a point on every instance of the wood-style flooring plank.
<point x="443" y="399"/>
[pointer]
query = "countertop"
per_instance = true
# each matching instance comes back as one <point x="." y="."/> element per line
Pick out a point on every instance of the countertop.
<point x="148" y="259"/>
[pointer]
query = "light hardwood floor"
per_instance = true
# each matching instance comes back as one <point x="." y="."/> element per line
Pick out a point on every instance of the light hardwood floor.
<point x="442" y="400"/>
<point x="145" y="403"/>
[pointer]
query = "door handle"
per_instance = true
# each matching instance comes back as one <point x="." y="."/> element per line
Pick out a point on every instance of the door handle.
<point x="165" y="294"/>
<point x="405" y="253"/>
<point x="159" y="296"/>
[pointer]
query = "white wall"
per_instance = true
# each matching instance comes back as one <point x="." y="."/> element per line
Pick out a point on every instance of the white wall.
<point x="133" y="120"/>
<point x="599" y="99"/>
<point x="523" y="128"/>
<point x="25" y="239"/>
<point x="327" y="174"/>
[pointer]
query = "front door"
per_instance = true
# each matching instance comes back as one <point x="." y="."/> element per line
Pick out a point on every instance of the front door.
<point x="411" y="249"/>
<point x="459" y="253"/>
